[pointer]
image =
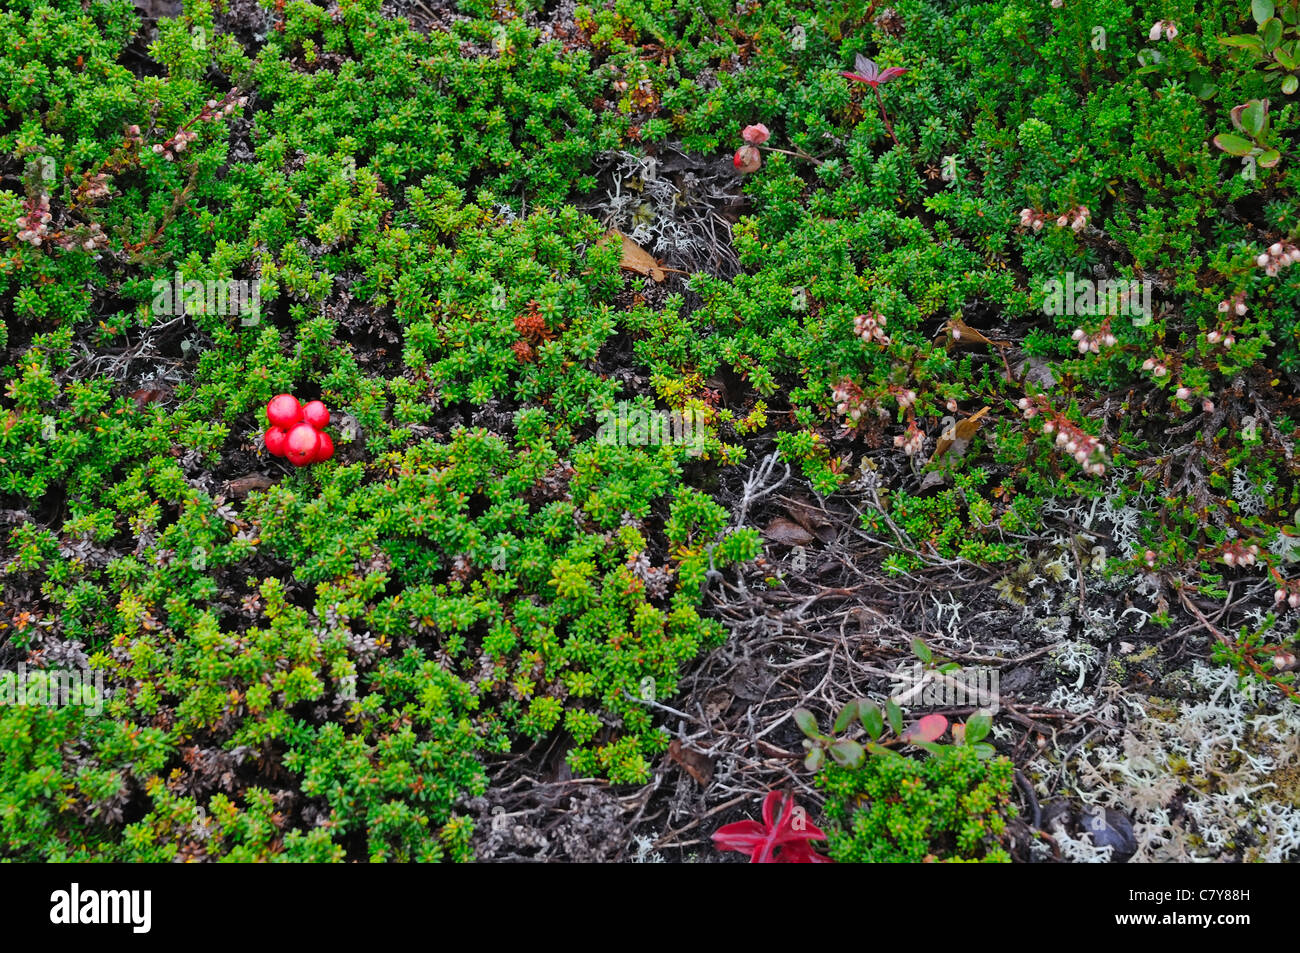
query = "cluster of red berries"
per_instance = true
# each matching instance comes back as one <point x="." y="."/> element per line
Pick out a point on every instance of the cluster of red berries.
<point x="747" y="158"/>
<point x="298" y="430"/>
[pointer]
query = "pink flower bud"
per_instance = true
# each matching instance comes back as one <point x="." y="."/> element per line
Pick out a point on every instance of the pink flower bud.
<point x="1279" y="596"/>
<point x="1207" y="406"/>
<point x="1182" y="393"/>
<point x="1156" y="29"/>
<point x="756" y="134"/>
<point x="1293" y="600"/>
<point x="1078" y="334"/>
<point x="1213" y="337"/>
<point x="1262" y="260"/>
<point x="1275" y="249"/>
<point x="1230" y="558"/>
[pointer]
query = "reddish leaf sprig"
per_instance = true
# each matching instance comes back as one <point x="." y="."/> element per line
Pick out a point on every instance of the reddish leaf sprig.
<point x="775" y="840"/>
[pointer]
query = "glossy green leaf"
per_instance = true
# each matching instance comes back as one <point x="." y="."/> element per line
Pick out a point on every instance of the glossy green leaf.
<point x="1241" y="42"/>
<point x="978" y="727"/>
<point x="1271" y="34"/>
<point x="1261" y="10"/>
<point x="1233" y="145"/>
<point x="1253" y="116"/>
<point x="807" y="722"/>
<point x="895" y="715"/>
<point x="846" y="715"/>
<point x="872" y="720"/>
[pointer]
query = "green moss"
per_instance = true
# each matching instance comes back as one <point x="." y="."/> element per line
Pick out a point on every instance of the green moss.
<point x="952" y="807"/>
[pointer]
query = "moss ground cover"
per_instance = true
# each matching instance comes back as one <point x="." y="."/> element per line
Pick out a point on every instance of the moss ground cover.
<point x="1030" y="300"/>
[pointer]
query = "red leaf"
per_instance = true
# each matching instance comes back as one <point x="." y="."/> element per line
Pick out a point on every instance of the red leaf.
<point x="929" y="728"/>
<point x="775" y="840"/>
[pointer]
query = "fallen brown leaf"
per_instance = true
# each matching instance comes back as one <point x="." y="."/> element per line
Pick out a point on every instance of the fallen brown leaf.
<point x="240" y="487"/>
<point x="147" y="396"/>
<point x="788" y="533"/>
<point x="957" y="438"/>
<point x="697" y="765"/>
<point x="812" y="519"/>
<point x="962" y="333"/>
<point x="637" y="259"/>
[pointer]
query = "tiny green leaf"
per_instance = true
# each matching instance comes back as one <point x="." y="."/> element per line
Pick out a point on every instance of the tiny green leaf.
<point x="882" y="750"/>
<point x="1233" y="145"/>
<point x="895" y="716"/>
<point x="814" y="759"/>
<point x="978" y="727"/>
<point x="1261" y="10"/>
<point x="922" y="651"/>
<point x="848" y="754"/>
<point x="1271" y="32"/>
<point x="846" y="715"/>
<point x="1290" y="84"/>
<point x="1252" y="117"/>
<point x="871" y="720"/>
<point x="807" y="722"/>
<point x="1240" y="42"/>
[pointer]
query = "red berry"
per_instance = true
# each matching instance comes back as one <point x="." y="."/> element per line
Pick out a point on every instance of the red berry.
<point x="274" y="440"/>
<point x="747" y="159"/>
<point x="316" y="414"/>
<point x="300" y="447"/>
<point x="325" y="449"/>
<point x="283" y="411"/>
